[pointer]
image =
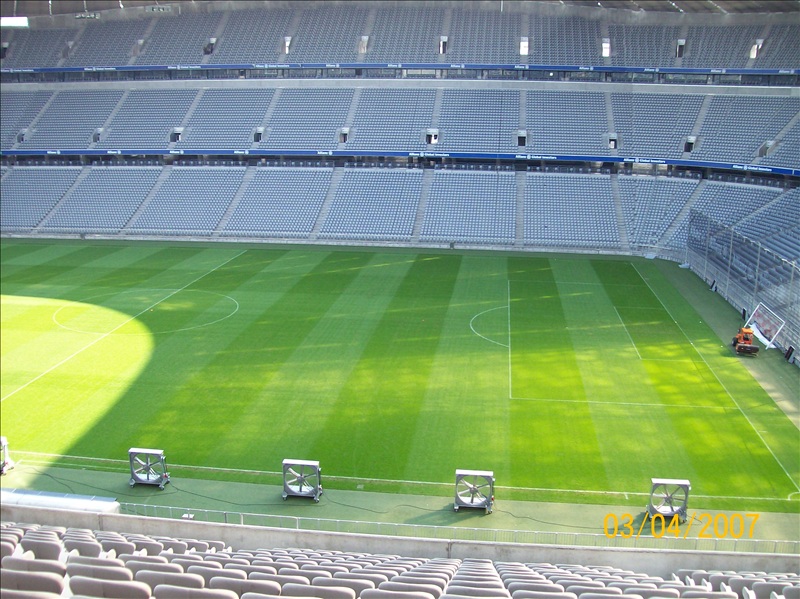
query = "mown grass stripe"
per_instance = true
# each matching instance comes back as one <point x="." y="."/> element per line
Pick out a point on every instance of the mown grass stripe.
<point x="321" y="366"/>
<point x="204" y="401"/>
<point x="465" y="414"/>
<point x="370" y="429"/>
<point x="543" y="361"/>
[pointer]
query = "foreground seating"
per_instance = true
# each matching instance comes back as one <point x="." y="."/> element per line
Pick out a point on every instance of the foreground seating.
<point x="39" y="565"/>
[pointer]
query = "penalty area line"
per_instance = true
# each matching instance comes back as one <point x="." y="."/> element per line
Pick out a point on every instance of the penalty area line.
<point x="619" y="403"/>
<point x="716" y="376"/>
<point x="627" y="332"/>
<point x="116" y="328"/>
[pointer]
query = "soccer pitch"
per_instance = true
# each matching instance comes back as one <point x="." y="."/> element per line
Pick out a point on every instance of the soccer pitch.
<point x="565" y="375"/>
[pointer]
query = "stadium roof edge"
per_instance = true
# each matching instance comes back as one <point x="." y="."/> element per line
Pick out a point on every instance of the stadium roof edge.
<point x="65" y="12"/>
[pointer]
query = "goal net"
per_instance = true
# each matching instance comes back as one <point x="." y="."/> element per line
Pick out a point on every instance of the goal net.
<point x="766" y="325"/>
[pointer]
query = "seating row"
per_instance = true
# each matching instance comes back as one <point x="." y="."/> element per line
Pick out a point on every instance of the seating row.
<point x="51" y="561"/>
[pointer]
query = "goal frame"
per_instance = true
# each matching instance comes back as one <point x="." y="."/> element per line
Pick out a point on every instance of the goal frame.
<point x="759" y="332"/>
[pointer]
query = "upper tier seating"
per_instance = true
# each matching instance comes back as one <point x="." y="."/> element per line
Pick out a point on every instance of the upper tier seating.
<point x="226" y="118"/>
<point x="651" y="125"/>
<point x="399" y="33"/>
<point x="179" y="40"/>
<point x="736" y="126"/>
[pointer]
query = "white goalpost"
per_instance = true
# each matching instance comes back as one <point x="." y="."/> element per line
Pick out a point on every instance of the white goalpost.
<point x="766" y="324"/>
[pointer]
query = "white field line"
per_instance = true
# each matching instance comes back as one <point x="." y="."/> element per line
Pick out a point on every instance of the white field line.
<point x="386" y="480"/>
<point x="627" y="332"/>
<point x="472" y="328"/>
<point x="192" y="328"/>
<point x="618" y="403"/>
<point x="116" y="328"/>
<point x="508" y="294"/>
<point x="789" y="476"/>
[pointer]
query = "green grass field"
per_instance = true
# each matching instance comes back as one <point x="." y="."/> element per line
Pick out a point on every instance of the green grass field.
<point x="566" y="375"/>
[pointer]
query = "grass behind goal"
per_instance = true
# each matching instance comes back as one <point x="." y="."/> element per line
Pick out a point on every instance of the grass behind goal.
<point x="570" y="377"/>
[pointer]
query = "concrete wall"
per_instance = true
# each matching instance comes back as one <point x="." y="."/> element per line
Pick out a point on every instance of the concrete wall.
<point x="654" y="562"/>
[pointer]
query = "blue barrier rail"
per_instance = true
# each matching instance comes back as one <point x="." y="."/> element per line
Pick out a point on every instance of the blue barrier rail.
<point x="484" y="156"/>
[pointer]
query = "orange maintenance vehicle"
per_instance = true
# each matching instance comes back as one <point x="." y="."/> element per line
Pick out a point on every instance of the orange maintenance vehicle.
<point x="743" y="342"/>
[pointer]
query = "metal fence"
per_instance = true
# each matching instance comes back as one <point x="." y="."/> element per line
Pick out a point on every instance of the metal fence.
<point x="745" y="272"/>
<point x="458" y="533"/>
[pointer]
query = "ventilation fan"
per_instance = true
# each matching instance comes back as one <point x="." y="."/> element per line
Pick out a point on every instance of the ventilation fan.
<point x="148" y="467"/>
<point x="474" y="488"/>
<point x="301" y="478"/>
<point x="669" y="497"/>
<point x="7" y="463"/>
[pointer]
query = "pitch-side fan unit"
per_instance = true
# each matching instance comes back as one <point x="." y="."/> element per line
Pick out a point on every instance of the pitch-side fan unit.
<point x="301" y="478"/>
<point x="148" y="467"/>
<point x="474" y="488"/>
<point x="669" y="497"/>
<point x="7" y="463"/>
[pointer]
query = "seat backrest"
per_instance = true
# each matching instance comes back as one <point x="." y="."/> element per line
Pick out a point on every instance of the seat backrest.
<point x="250" y="568"/>
<point x="23" y="580"/>
<point x="281" y="579"/>
<point x="791" y="592"/>
<point x="135" y="565"/>
<point x="308" y="590"/>
<point x="150" y="546"/>
<point x="84" y="547"/>
<point x="120" y="589"/>
<point x="454" y="589"/>
<point x="547" y="587"/>
<point x="648" y="593"/>
<point x="403" y="586"/>
<point x="265" y="587"/>
<point x="104" y="572"/>
<point x="42" y="548"/>
<point x="763" y="590"/>
<point x="34" y="565"/>
<point x="413" y="579"/>
<point x="386" y="594"/>
<point x="376" y="577"/>
<point x="181" y="579"/>
<point x="525" y="594"/>
<point x="351" y="583"/>
<point x="208" y="573"/>
<point x="173" y="592"/>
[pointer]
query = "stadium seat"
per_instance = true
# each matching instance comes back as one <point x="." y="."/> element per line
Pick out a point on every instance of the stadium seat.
<point x="104" y="572"/>
<point x="265" y="587"/>
<point x="403" y="586"/>
<point x="208" y="572"/>
<point x="153" y="578"/>
<point x="34" y="565"/>
<point x="119" y="589"/>
<point x="135" y="566"/>
<point x="309" y="590"/>
<point x="166" y="591"/>
<point x="357" y="584"/>
<point x="386" y="594"/>
<point x="24" y="580"/>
